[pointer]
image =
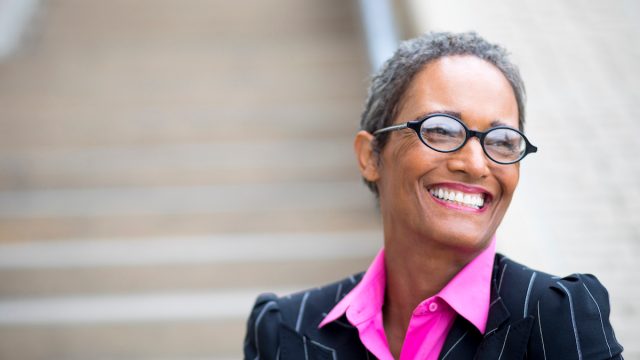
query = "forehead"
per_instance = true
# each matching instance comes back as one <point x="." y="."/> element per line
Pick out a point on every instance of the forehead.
<point x="467" y="85"/>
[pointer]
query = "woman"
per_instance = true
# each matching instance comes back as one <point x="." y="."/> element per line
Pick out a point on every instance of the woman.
<point x="440" y="146"/>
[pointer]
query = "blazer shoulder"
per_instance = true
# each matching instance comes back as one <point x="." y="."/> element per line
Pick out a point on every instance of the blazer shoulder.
<point x="576" y="309"/>
<point x="571" y="313"/>
<point x="261" y="337"/>
<point x="295" y="312"/>
<point x="518" y="285"/>
<point x="308" y="307"/>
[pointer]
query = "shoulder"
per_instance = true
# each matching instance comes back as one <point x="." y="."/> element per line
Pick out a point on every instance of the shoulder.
<point x="298" y="312"/>
<point x="306" y="308"/>
<point x="262" y="328"/>
<point x="517" y="282"/>
<point x="571" y="313"/>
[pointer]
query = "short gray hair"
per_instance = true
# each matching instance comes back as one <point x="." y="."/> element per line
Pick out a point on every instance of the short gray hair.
<point x="391" y="81"/>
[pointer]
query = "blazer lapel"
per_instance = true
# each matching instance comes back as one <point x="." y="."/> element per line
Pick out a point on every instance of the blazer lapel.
<point x="503" y="339"/>
<point x="297" y="346"/>
<point x="498" y="313"/>
<point x="508" y="342"/>
<point x="462" y="340"/>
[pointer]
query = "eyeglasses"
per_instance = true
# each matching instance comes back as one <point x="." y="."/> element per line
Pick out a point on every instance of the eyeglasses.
<point x="445" y="133"/>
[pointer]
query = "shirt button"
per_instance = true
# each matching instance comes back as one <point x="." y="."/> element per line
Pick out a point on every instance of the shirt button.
<point x="433" y="307"/>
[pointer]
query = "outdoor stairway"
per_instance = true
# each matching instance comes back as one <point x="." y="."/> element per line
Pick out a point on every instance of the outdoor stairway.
<point x="163" y="161"/>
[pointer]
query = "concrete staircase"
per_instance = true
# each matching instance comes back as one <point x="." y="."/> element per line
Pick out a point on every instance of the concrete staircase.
<point x="162" y="162"/>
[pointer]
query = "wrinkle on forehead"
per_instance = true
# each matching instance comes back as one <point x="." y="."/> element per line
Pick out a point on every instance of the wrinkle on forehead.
<point x="452" y="83"/>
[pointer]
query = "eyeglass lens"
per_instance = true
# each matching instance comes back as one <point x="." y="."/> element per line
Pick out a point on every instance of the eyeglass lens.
<point x="446" y="134"/>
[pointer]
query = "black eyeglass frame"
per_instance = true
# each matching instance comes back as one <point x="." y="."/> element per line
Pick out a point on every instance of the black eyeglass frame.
<point x="417" y="124"/>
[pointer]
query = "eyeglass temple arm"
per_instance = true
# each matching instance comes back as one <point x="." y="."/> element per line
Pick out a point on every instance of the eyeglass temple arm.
<point x="390" y="128"/>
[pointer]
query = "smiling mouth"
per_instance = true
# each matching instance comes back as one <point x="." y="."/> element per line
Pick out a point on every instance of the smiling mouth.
<point x="460" y="198"/>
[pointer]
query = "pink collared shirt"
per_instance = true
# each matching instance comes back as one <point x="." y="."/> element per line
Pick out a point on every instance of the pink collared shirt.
<point x="467" y="294"/>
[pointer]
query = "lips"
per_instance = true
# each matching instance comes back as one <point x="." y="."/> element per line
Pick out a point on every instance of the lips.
<point x="469" y="197"/>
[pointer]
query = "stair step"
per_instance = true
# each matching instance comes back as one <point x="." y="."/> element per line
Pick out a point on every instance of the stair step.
<point x="121" y="266"/>
<point x="186" y="164"/>
<point x="189" y="340"/>
<point x="313" y="220"/>
<point x="299" y="274"/>
<point x="163" y="201"/>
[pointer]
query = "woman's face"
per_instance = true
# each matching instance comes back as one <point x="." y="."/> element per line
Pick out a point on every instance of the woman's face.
<point x="410" y="173"/>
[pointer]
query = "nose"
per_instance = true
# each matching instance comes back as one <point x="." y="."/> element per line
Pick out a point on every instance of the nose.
<point x="470" y="159"/>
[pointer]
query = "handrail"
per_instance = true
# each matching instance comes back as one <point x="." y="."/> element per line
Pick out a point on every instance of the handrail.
<point x="14" y="18"/>
<point x="380" y="31"/>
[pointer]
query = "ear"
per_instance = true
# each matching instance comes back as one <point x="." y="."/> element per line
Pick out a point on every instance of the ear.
<point x="367" y="158"/>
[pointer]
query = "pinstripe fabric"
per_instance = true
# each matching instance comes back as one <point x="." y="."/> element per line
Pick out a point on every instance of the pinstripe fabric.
<point x="564" y="318"/>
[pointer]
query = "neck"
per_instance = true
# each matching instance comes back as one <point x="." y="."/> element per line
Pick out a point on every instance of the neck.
<point x="416" y="269"/>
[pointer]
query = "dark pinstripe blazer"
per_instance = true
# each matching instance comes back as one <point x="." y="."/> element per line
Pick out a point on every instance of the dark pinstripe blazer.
<point x="533" y="315"/>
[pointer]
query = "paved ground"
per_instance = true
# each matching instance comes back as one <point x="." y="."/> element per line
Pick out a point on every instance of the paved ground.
<point x="154" y="154"/>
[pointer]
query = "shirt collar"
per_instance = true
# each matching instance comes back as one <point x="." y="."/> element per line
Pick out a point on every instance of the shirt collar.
<point x="468" y="293"/>
<point x="366" y="298"/>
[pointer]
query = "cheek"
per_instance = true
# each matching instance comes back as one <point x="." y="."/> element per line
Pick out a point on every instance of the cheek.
<point x="405" y="156"/>
<point x="509" y="178"/>
<point x="400" y="164"/>
<point x="406" y="146"/>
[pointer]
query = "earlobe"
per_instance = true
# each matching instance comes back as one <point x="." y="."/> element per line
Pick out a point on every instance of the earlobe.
<point x="367" y="158"/>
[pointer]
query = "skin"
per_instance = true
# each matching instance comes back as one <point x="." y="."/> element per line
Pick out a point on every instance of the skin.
<point x="421" y="235"/>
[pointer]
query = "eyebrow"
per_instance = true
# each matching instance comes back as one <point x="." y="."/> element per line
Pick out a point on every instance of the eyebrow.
<point x="496" y="123"/>
<point x="458" y="115"/>
<point x="447" y="112"/>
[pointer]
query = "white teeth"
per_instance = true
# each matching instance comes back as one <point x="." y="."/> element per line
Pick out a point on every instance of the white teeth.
<point x="471" y="200"/>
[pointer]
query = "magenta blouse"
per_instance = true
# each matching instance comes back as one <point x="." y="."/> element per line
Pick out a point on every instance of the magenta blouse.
<point x="467" y="295"/>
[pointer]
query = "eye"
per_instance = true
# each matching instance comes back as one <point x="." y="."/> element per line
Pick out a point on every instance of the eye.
<point x="504" y="144"/>
<point x="438" y="131"/>
<point x="442" y="131"/>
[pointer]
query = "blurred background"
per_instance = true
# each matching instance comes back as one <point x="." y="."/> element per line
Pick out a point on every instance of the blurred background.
<point x="164" y="161"/>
